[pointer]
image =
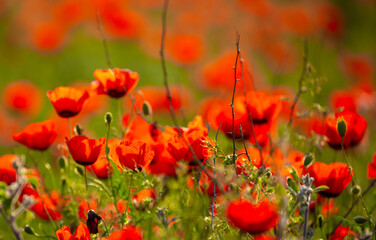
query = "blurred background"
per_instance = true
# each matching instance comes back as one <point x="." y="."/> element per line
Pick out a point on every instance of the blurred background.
<point x="49" y="43"/>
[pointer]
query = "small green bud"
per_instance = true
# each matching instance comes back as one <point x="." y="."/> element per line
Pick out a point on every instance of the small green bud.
<point x="29" y="230"/>
<point x="80" y="171"/>
<point x="341" y="127"/>
<point x="146" y="108"/>
<point x="78" y="129"/>
<point x="308" y="159"/>
<point x="360" y="219"/>
<point x="108" y="118"/>
<point x="62" y="163"/>
<point x="355" y="190"/>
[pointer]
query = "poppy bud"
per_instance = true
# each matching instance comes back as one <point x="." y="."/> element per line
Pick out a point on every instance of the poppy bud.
<point x="108" y="118"/>
<point x="78" y="130"/>
<point x="320" y="219"/>
<point x="29" y="230"/>
<point x="308" y="159"/>
<point x="146" y="108"/>
<point x="92" y="221"/>
<point x="341" y="127"/>
<point x="355" y="190"/>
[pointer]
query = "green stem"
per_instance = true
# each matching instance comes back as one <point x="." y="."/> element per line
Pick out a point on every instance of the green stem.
<point x="354" y="183"/>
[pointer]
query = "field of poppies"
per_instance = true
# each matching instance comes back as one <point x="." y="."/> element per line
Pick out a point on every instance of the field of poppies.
<point x="177" y="119"/>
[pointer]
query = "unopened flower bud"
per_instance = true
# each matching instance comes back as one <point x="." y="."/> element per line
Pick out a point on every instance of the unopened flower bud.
<point x="108" y="118"/>
<point x="355" y="190"/>
<point x="78" y="130"/>
<point x="146" y="108"/>
<point x="341" y="127"/>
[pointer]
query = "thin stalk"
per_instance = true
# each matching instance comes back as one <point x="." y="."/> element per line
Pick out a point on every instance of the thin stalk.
<point x="232" y="102"/>
<point x="168" y="93"/>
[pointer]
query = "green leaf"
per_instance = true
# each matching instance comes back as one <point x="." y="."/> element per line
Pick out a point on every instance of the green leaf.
<point x="321" y="188"/>
<point x="294" y="174"/>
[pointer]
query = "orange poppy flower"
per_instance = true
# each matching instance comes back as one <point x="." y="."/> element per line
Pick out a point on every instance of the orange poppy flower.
<point x="23" y="97"/>
<point x="219" y="74"/>
<point x="67" y="101"/>
<point x="185" y="48"/>
<point x="163" y="162"/>
<point x="129" y="232"/>
<point x="43" y="203"/>
<point x="82" y="233"/>
<point x="48" y="36"/>
<point x="38" y="136"/>
<point x="85" y="151"/>
<point x="341" y="233"/>
<point x="356" y="127"/>
<point x="115" y="82"/>
<point x="84" y="206"/>
<point x="181" y="98"/>
<point x="142" y="195"/>
<point x="134" y="154"/>
<point x="7" y="172"/>
<point x="206" y="185"/>
<point x="196" y="134"/>
<point x="335" y="175"/>
<point x="254" y="218"/>
<point x="254" y="155"/>
<point x="123" y="23"/>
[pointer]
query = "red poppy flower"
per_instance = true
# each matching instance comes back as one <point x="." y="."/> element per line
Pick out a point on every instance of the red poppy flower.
<point x="38" y="136"/>
<point x="254" y="218"/>
<point x="371" y="173"/>
<point x="67" y="101"/>
<point x="356" y="127"/>
<point x="82" y="233"/>
<point x="115" y="82"/>
<point x="134" y="154"/>
<point x="206" y="185"/>
<point x="129" y="232"/>
<point x="23" y="97"/>
<point x="345" y="100"/>
<point x="195" y="134"/>
<point x="83" y="150"/>
<point x="335" y="175"/>
<point x="341" y="233"/>
<point x="43" y="203"/>
<point x="7" y="172"/>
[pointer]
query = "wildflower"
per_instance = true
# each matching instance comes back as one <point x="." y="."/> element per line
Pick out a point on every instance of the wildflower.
<point x="129" y="232"/>
<point x="82" y="233"/>
<point x="335" y="175"/>
<point x="115" y="82"/>
<point x="38" y="136"/>
<point x="7" y="172"/>
<point x="23" y="97"/>
<point x="371" y="168"/>
<point x="341" y="233"/>
<point x="83" y="150"/>
<point x="254" y="218"/>
<point x="67" y="101"/>
<point x="134" y="154"/>
<point x="356" y="127"/>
